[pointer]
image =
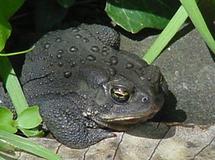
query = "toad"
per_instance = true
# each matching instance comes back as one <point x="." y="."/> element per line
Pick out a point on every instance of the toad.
<point x="86" y="87"/>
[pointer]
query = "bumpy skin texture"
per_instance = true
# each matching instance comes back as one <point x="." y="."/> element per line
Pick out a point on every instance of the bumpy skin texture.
<point x="84" y="86"/>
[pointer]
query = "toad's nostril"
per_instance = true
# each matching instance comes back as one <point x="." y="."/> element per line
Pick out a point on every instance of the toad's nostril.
<point x="145" y="99"/>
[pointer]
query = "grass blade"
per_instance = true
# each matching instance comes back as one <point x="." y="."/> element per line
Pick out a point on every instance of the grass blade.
<point x="25" y="145"/>
<point x="198" y="21"/>
<point x="166" y="35"/>
<point x="2" y="158"/>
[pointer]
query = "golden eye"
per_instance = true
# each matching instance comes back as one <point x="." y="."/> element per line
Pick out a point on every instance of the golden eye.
<point x="120" y="94"/>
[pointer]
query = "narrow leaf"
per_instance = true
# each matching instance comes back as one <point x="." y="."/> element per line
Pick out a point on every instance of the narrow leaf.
<point x="198" y="21"/>
<point x="166" y="35"/>
<point x="5" y="147"/>
<point x="1" y="158"/>
<point x="26" y="145"/>
<point x="12" y="85"/>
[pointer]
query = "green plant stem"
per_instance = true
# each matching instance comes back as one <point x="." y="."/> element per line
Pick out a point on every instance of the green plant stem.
<point x="166" y="35"/>
<point x="16" y="53"/>
<point x="12" y="85"/>
<point x="198" y="21"/>
<point x="11" y="82"/>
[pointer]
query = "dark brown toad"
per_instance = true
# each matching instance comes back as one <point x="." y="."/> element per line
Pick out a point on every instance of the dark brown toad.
<point x="83" y="85"/>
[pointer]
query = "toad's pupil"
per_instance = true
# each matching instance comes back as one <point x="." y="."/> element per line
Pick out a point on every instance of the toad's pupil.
<point x="119" y="94"/>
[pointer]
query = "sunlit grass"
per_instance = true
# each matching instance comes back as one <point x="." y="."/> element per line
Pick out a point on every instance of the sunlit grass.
<point x="198" y="21"/>
<point x="166" y="35"/>
<point x="27" y="146"/>
<point x="188" y="8"/>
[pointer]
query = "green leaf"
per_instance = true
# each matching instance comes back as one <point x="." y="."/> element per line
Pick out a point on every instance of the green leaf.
<point x="5" y="31"/>
<point x="66" y="3"/>
<point x="198" y="21"/>
<point x="166" y="35"/>
<point x="9" y="128"/>
<point x="136" y="15"/>
<point x="6" y="120"/>
<point x="1" y="158"/>
<point x="32" y="132"/>
<point x="26" y="145"/>
<point x="6" y="116"/>
<point x="12" y="85"/>
<point x="29" y="118"/>
<point x="9" y="7"/>
<point x="5" y="147"/>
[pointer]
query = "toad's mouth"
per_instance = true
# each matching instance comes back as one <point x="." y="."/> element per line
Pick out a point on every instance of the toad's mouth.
<point x="131" y="118"/>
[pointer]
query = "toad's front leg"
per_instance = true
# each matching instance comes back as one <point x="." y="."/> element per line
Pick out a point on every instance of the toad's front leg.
<point x="65" y="121"/>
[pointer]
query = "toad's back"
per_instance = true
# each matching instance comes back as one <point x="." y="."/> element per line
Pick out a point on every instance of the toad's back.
<point x="60" y="56"/>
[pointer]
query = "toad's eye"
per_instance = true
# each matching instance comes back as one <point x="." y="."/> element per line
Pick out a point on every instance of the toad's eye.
<point x="120" y="94"/>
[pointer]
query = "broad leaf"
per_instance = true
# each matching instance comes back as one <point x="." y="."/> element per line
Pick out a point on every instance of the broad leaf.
<point x="6" y="120"/>
<point x="5" y="30"/>
<point x="32" y="132"/>
<point x="9" y="7"/>
<point x="29" y="118"/>
<point x="8" y="127"/>
<point x="136" y="15"/>
<point x="6" y="116"/>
